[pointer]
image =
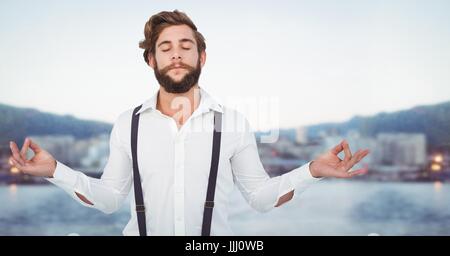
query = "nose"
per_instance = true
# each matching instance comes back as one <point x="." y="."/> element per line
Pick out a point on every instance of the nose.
<point x="176" y="56"/>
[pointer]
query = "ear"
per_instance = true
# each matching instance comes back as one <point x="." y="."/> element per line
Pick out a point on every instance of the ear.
<point x="202" y="58"/>
<point x="151" y="60"/>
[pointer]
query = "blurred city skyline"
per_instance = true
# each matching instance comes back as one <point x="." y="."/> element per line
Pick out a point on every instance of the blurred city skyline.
<point x="294" y="65"/>
<point x="318" y="61"/>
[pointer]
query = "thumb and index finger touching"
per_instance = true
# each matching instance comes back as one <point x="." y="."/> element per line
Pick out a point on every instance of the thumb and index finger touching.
<point x="19" y="158"/>
<point x="342" y="146"/>
<point x="350" y="158"/>
<point x="21" y="155"/>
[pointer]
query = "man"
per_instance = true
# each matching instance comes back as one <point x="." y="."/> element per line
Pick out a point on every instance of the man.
<point x="174" y="148"/>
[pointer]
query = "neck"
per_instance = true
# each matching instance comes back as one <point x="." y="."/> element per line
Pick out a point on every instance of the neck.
<point x="179" y="106"/>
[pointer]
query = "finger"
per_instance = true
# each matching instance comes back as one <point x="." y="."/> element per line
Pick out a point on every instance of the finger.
<point x="35" y="147"/>
<point x="338" y="148"/>
<point x="15" y="153"/>
<point x="358" y="156"/>
<point x="21" y="167"/>
<point x="16" y="164"/>
<point x="350" y="174"/>
<point x="347" y="152"/>
<point x="362" y="154"/>
<point x="23" y="151"/>
<point x="357" y="172"/>
<point x="348" y="165"/>
<point x="10" y="161"/>
<point x="341" y="174"/>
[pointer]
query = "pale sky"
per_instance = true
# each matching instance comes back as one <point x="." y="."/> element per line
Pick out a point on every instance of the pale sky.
<point x="319" y="61"/>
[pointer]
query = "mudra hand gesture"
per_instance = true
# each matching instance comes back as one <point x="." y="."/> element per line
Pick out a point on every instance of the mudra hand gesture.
<point x="330" y="165"/>
<point x="42" y="164"/>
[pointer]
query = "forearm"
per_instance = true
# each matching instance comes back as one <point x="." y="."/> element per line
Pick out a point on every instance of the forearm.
<point x="276" y="191"/>
<point x="84" y="199"/>
<point x="88" y="191"/>
<point x="285" y="198"/>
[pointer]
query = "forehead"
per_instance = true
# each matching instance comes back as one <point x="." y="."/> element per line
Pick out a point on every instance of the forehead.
<point x="175" y="33"/>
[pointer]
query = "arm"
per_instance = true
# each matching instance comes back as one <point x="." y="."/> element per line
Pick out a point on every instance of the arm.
<point x="285" y="198"/>
<point x="263" y="193"/>
<point x="260" y="191"/>
<point x="105" y="194"/>
<point x="330" y="165"/>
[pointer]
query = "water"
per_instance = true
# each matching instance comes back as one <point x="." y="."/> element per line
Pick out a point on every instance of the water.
<point x="330" y="207"/>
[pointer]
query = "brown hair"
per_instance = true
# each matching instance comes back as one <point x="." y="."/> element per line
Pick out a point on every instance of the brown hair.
<point x="158" y="22"/>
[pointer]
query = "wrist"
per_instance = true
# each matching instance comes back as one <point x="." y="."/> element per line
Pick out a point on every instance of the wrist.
<point x="53" y="169"/>
<point x="313" y="169"/>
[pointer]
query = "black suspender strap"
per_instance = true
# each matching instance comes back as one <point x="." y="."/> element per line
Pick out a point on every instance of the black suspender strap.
<point x="209" y="203"/>
<point x="140" y="208"/>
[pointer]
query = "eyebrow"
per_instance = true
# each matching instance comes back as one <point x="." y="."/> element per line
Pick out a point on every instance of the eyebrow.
<point x="181" y="41"/>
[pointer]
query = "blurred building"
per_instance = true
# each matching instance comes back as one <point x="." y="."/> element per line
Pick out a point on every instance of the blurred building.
<point x="401" y="149"/>
<point x="96" y="154"/>
<point x="301" y="135"/>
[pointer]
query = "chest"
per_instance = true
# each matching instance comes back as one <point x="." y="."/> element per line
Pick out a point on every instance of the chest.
<point x="164" y="150"/>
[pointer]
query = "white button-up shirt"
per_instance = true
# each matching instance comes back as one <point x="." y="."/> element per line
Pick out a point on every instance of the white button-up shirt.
<point x="174" y="165"/>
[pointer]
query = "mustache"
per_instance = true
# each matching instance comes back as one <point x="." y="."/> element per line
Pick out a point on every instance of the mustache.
<point x="177" y="65"/>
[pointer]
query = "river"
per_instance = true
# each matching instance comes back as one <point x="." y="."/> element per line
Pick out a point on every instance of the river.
<point x="330" y="207"/>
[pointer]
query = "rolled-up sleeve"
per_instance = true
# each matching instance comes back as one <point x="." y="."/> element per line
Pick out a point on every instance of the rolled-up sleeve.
<point x="109" y="191"/>
<point x="260" y="190"/>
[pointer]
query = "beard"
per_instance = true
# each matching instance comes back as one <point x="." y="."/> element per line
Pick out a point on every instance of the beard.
<point x="182" y="86"/>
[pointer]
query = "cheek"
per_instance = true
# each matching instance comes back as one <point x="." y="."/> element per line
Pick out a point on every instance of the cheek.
<point x="161" y="59"/>
<point x="192" y="60"/>
<point x="159" y="64"/>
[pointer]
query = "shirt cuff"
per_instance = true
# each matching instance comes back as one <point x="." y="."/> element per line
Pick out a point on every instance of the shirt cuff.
<point x="302" y="177"/>
<point x="64" y="174"/>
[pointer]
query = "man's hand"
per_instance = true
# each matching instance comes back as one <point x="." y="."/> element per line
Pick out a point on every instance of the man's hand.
<point x="42" y="164"/>
<point x="330" y="165"/>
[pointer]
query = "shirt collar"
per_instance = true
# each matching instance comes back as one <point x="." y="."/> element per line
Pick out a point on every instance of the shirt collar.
<point x="207" y="103"/>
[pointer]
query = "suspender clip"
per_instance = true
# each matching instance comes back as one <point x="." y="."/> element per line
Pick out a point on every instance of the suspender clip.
<point x="140" y="208"/>
<point x="209" y="204"/>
